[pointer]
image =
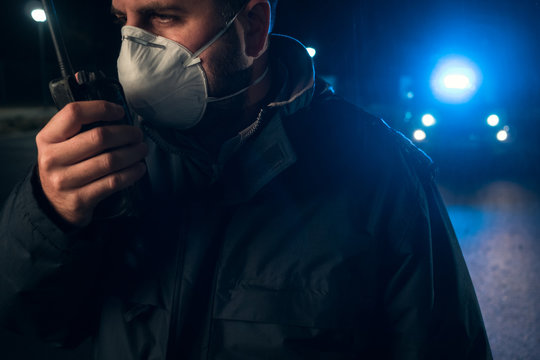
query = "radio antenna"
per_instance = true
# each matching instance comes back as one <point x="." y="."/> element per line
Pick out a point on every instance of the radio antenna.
<point x="58" y="41"/>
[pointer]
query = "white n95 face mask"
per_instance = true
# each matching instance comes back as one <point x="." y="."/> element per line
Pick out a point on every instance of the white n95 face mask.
<point x="163" y="81"/>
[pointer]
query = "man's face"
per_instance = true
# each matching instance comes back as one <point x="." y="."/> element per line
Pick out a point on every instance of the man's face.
<point x="192" y="23"/>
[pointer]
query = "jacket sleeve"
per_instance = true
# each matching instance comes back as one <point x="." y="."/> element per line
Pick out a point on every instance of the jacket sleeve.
<point x="47" y="274"/>
<point x="430" y="302"/>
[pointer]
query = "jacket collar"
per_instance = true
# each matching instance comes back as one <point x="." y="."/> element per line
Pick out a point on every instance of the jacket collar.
<point x="299" y="74"/>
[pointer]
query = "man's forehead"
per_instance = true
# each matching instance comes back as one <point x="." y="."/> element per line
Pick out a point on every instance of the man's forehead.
<point x="137" y="5"/>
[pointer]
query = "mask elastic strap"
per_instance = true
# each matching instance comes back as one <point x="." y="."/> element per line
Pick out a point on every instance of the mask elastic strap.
<point x="194" y="59"/>
<point x="259" y="79"/>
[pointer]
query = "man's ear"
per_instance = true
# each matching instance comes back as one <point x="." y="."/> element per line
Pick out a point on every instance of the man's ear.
<point x="257" y="21"/>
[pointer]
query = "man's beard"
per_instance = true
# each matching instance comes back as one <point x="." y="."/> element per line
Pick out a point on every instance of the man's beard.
<point x="228" y="72"/>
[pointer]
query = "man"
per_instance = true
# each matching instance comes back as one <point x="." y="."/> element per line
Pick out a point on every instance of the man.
<point x="277" y="221"/>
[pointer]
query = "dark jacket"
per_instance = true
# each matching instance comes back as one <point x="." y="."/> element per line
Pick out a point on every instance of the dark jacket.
<point x="319" y="234"/>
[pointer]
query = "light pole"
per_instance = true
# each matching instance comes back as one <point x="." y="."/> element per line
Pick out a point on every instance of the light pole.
<point x="38" y="15"/>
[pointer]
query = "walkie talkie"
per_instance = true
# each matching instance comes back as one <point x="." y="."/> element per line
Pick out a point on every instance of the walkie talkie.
<point x="89" y="85"/>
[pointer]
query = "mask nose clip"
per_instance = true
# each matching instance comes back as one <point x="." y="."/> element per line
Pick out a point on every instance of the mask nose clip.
<point x="142" y="42"/>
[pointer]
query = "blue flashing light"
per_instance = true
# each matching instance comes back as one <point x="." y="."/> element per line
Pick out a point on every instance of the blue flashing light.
<point x="455" y="80"/>
<point x="311" y="51"/>
<point x="410" y="95"/>
<point x="428" y="120"/>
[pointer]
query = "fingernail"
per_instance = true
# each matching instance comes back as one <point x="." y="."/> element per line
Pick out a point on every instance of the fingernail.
<point x="118" y="109"/>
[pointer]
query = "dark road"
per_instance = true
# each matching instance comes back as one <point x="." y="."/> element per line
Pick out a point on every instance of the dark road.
<point x="498" y="226"/>
<point x="497" y="223"/>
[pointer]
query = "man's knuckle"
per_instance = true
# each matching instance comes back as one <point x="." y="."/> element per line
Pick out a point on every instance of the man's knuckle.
<point x="57" y="181"/>
<point x="38" y="139"/>
<point x="73" y="110"/>
<point x="78" y="203"/>
<point x="98" y="136"/>
<point x="107" y="161"/>
<point x="115" y="182"/>
<point x="46" y="162"/>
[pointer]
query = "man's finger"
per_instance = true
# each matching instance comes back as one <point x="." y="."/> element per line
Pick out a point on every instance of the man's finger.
<point x="93" y="142"/>
<point x="68" y="121"/>
<point x="90" y="170"/>
<point x="99" y="190"/>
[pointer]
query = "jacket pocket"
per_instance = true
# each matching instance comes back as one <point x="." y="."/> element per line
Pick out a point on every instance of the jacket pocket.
<point x="290" y="306"/>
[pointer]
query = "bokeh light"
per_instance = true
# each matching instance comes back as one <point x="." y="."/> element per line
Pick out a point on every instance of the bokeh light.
<point x="419" y="135"/>
<point x="502" y="135"/>
<point x="428" y="120"/>
<point x="493" y="120"/>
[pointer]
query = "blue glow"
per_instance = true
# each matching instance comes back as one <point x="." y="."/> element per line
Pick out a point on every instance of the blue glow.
<point x="455" y="80"/>
<point x="428" y="120"/>
<point x="408" y="115"/>
<point x="311" y="51"/>
<point x="410" y="95"/>
<point x="493" y="120"/>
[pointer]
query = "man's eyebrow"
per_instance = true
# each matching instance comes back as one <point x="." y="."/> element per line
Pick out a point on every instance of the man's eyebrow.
<point x="115" y="11"/>
<point x="151" y="7"/>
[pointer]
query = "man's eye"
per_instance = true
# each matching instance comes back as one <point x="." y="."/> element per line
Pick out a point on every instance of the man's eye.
<point x="164" y="18"/>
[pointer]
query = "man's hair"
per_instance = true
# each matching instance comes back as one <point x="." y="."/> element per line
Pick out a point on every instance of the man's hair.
<point x="229" y="8"/>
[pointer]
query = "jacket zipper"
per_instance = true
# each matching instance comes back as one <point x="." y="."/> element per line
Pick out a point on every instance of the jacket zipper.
<point x="175" y="305"/>
<point x="250" y="131"/>
<point x="214" y="287"/>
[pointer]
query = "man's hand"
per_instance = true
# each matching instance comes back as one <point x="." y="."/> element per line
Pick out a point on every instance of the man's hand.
<point x="79" y="169"/>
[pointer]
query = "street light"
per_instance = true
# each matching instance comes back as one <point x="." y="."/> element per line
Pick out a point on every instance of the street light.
<point x="38" y="15"/>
